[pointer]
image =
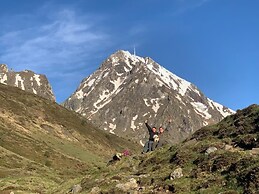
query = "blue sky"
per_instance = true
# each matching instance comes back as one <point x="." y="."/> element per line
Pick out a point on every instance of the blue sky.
<point x="211" y="43"/>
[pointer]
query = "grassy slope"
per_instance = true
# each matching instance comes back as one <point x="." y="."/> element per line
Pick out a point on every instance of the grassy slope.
<point x="47" y="148"/>
<point x="231" y="169"/>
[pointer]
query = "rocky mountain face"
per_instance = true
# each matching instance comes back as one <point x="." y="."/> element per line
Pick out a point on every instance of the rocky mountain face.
<point x="28" y="81"/>
<point x="127" y="89"/>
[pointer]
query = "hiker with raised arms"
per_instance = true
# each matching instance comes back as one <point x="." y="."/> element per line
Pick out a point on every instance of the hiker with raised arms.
<point x="163" y="135"/>
<point x="153" y="136"/>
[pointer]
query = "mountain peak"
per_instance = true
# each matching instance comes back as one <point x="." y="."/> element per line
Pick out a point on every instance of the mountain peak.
<point x="123" y="53"/>
<point x="125" y="56"/>
<point x="165" y="77"/>
<point x="129" y="89"/>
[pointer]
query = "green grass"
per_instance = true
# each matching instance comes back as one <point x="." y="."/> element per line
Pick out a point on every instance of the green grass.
<point x="223" y="171"/>
<point x="47" y="148"/>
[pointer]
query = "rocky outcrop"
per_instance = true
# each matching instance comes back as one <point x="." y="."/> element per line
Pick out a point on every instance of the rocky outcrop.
<point x="211" y="150"/>
<point x="127" y="89"/>
<point x="130" y="185"/>
<point x="27" y="80"/>
<point x="76" y="189"/>
<point x="176" y="174"/>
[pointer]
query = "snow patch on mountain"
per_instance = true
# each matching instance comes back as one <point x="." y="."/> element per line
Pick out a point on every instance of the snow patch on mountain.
<point x="19" y="80"/>
<point x="34" y="91"/>
<point x="155" y="104"/>
<point x="146" y="114"/>
<point x="3" y="79"/>
<point x="132" y="126"/>
<point x="201" y="109"/>
<point x="146" y="102"/>
<point x="79" y="94"/>
<point x="117" y="83"/>
<point x="91" y="82"/>
<point x="126" y="69"/>
<point x="205" y="123"/>
<point x="37" y="79"/>
<point x="103" y="96"/>
<point x="223" y="111"/>
<point x="112" y="128"/>
<point x="169" y="79"/>
<point x="98" y="104"/>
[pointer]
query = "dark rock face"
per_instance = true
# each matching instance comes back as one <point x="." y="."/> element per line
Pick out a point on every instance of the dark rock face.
<point x="28" y="81"/>
<point x="127" y="89"/>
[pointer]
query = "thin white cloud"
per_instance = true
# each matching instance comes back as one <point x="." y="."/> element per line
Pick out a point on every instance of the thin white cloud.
<point x="64" y="45"/>
<point x="59" y="42"/>
<point x="187" y="5"/>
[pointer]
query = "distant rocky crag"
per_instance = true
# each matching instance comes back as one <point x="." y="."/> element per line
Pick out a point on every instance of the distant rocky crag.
<point x="28" y="81"/>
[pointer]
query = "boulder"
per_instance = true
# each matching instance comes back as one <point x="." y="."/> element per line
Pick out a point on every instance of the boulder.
<point x="95" y="190"/>
<point x="228" y="147"/>
<point x="210" y="150"/>
<point x="177" y="173"/>
<point x="76" y="189"/>
<point x="255" y="151"/>
<point x="132" y="184"/>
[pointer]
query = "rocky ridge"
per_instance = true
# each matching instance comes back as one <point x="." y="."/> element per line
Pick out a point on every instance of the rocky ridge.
<point x="127" y="89"/>
<point x="28" y="81"/>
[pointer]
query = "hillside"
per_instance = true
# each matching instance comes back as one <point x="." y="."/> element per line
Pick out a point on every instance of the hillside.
<point x="221" y="158"/>
<point x="127" y="89"/>
<point x="45" y="148"/>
